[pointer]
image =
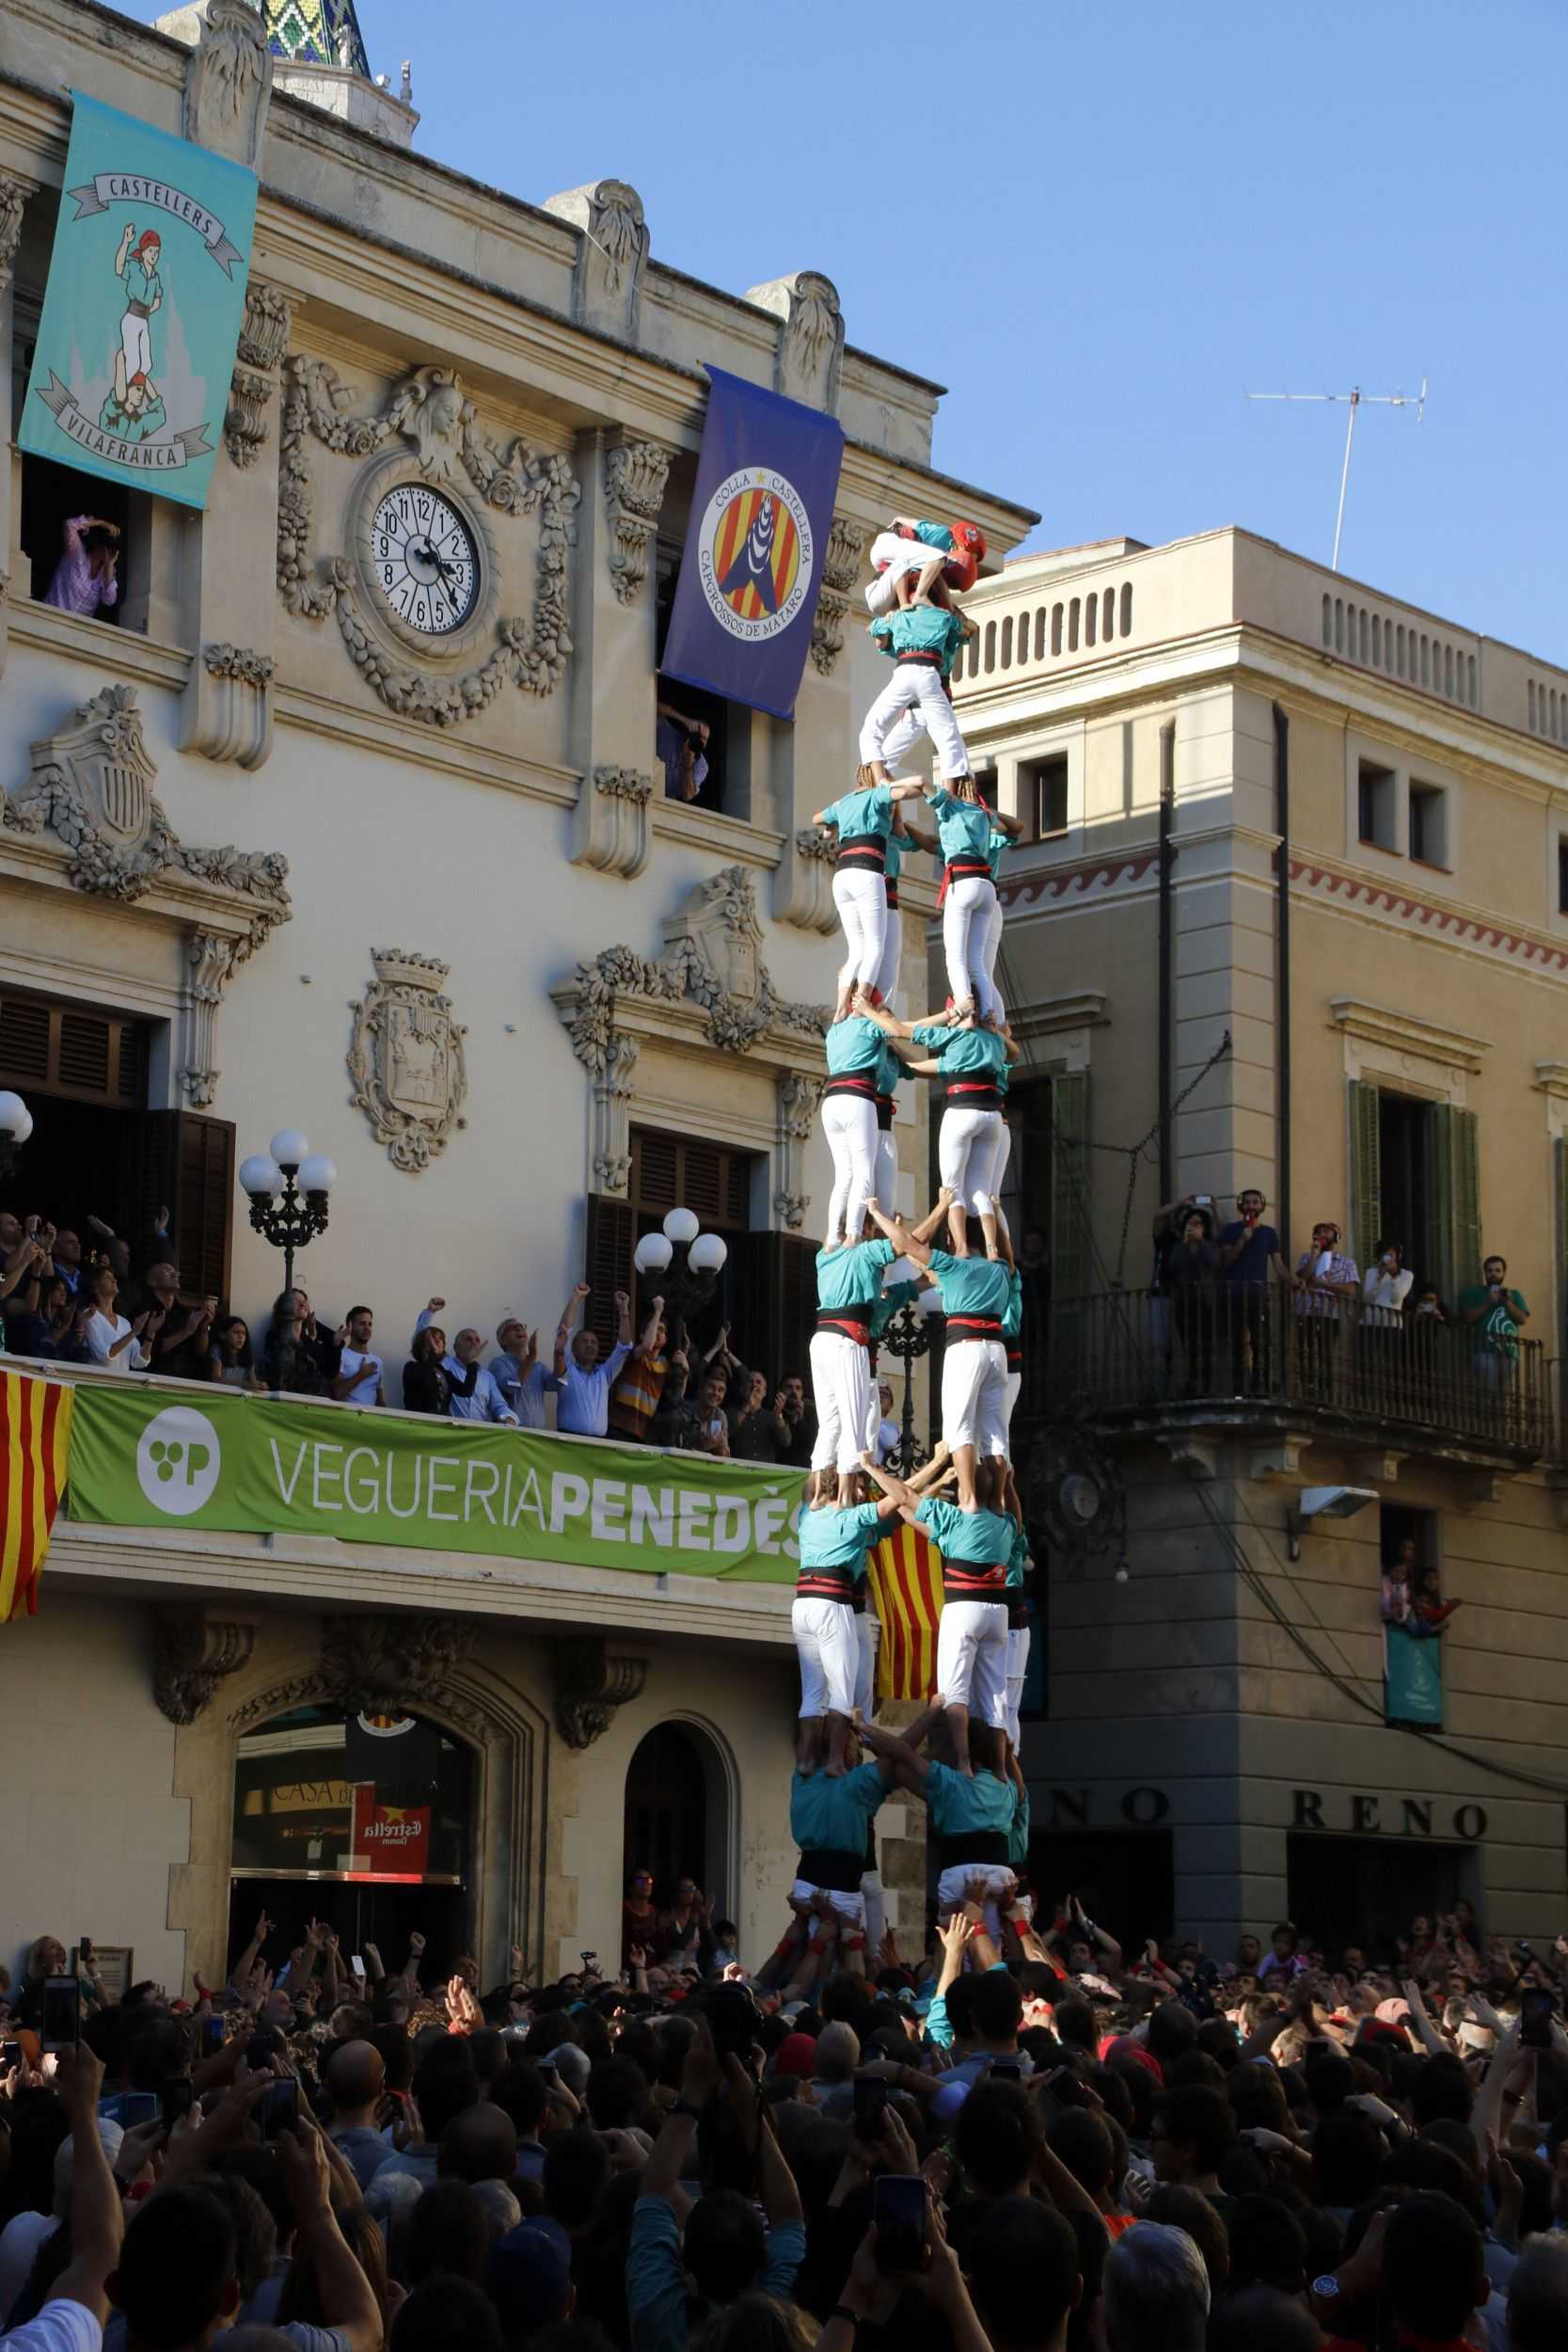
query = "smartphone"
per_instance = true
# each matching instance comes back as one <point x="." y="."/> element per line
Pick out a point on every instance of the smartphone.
<point x="1535" y="2018"/>
<point x="212" y="2036"/>
<point x="732" y="2016"/>
<point x="870" y="2106"/>
<point x="1007" y="2069"/>
<point x="898" y="2210"/>
<point x="174" y="2101"/>
<point x="547" y="2072"/>
<point x="62" y="2012"/>
<point x="356" y="1964"/>
<point x="279" y="2108"/>
<point x="137" y="2107"/>
<point x="10" y="2055"/>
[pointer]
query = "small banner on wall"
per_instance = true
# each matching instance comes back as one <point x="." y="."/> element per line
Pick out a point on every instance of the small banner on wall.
<point x="761" y="512"/>
<point x="136" y="1460"/>
<point x="143" y="308"/>
<point x="389" y="1841"/>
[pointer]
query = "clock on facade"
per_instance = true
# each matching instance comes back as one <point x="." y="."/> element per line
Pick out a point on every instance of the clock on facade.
<point x="423" y="559"/>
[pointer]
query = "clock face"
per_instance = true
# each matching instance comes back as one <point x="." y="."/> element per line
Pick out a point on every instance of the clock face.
<point x="423" y="559"/>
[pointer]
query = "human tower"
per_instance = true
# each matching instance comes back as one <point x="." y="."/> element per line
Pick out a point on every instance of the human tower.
<point x="870" y="1264"/>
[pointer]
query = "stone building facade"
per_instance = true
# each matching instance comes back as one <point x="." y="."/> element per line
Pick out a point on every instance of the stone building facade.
<point x="1293" y="911"/>
<point x="458" y="934"/>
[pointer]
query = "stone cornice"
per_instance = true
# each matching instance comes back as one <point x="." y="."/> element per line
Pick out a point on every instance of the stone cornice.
<point x="685" y="1027"/>
<point x="389" y="737"/>
<point x="709" y="829"/>
<point x="98" y="645"/>
<point x="180" y="903"/>
<point x="1404" y="1033"/>
<point x="1551" y="1077"/>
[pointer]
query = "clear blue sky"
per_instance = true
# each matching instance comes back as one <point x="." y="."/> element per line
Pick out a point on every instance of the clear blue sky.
<point x="1130" y="212"/>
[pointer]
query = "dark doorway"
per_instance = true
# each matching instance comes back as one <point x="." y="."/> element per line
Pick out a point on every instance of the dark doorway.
<point x="1367" y="1890"/>
<point x="666" y="1815"/>
<point x="1404" y="1153"/>
<point x="1125" y="1875"/>
<point x="52" y="496"/>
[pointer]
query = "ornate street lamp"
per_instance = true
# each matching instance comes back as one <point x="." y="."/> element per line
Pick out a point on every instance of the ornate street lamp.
<point x="687" y="1286"/>
<point x="909" y="1337"/>
<point x="16" y="1125"/>
<point x="287" y="1184"/>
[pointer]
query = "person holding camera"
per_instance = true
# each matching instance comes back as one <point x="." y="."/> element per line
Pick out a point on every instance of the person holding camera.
<point x="1494" y="1312"/>
<point x="83" y="580"/>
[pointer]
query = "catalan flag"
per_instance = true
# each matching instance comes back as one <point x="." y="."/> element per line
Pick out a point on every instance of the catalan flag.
<point x="905" y="1576"/>
<point x="35" y="1442"/>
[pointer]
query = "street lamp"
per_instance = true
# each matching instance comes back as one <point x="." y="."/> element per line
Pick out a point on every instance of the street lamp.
<point x="688" y="1286"/>
<point x="287" y="1184"/>
<point x="16" y="1125"/>
<point x="907" y="1337"/>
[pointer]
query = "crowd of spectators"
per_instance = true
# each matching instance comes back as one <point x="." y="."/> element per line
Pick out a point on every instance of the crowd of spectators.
<point x="1019" y="2140"/>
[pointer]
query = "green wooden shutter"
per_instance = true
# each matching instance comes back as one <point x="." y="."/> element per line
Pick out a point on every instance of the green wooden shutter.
<point x="1456" y="1168"/>
<point x="607" y="1266"/>
<point x="1560" y="1199"/>
<point x="1365" y="1173"/>
<point x="1069" y="1184"/>
<point x="187" y="1167"/>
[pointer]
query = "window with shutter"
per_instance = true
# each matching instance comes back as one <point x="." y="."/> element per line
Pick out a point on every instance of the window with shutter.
<point x="73" y="1051"/>
<point x="24" y="1028"/>
<point x="187" y="1167"/>
<point x="670" y="1171"/>
<point x="1366" y="1176"/>
<point x="607" y="1263"/>
<point x="1456" y="1155"/>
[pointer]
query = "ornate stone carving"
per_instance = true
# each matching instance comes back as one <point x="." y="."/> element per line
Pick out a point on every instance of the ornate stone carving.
<point x="799" y="1097"/>
<point x="14" y="193"/>
<point x="808" y="358"/>
<point x="91" y="784"/>
<point x="407" y="1059"/>
<point x="226" y="710"/>
<point x="612" y="1091"/>
<point x="429" y="410"/>
<point x="210" y="966"/>
<point x="803" y="882"/>
<point x="278" y="1699"/>
<point x="589" y="1686"/>
<point x="841" y="566"/>
<point x="610" y="829"/>
<point x="228" y="82"/>
<point x="612" y="255"/>
<point x="377" y="1663"/>
<point x="264" y="341"/>
<point x="635" y="475"/>
<point x="193" y="1652"/>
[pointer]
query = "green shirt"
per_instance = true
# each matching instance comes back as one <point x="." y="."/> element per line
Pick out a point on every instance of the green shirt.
<point x="837" y="1539"/>
<point x="1017" y="1836"/>
<point x="830" y="1816"/>
<point x="964" y="826"/>
<point x="852" y="1045"/>
<point x="896" y="1294"/>
<point x="934" y="535"/>
<point x="922" y="629"/>
<point x="890" y="1069"/>
<point x="969" y="1286"/>
<point x="964" y="1053"/>
<point x="851" y="1276"/>
<point x="956" y="1805"/>
<point x="1019" y="1561"/>
<point x="995" y="848"/>
<point x="1012" y="1322"/>
<point x="860" y="813"/>
<point x="983" y="1537"/>
<point x="893" y="857"/>
<point x="1498" y="1324"/>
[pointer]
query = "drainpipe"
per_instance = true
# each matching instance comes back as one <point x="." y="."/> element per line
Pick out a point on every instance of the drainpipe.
<point x="1167" y="953"/>
<point x="1282" y="966"/>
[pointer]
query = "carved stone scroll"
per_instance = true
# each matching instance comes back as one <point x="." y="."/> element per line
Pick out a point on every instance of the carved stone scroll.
<point x="610" y="829"/>
<point x="635" y="475"/>
<point x="589" y="1686"/>
<point x="803" y="882"/>
<point x="612" y="255"/>
<point x="193" y="1652"/>
<point x="799" y="1097"/>
<point x="808" y="357"/>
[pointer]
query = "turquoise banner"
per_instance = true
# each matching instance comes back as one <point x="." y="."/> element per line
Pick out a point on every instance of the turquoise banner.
<point x="1413" y="1677"/>
<point x="143" y="308"/>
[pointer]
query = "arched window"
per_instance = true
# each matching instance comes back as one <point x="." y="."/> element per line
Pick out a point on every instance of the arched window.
<point x="677" y="1816"/>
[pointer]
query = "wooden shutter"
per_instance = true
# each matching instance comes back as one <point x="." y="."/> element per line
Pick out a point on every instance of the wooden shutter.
<point x="1456" y="1191"/>
<point x="72" y="1050"/>
<point x="1069" y="1184"/>
<point x="1560" y="1202"/>
<point x="775" y="1303"/>
<point x="187" y="1165"/>
<point x="1365" y="1175"/>
<point x="607" y="1263"/>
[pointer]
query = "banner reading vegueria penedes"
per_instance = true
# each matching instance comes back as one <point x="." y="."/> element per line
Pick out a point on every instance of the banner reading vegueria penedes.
<point x="143" y="308"/>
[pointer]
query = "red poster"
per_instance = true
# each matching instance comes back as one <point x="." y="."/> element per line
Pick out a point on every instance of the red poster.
<point x="389" y="1839"/>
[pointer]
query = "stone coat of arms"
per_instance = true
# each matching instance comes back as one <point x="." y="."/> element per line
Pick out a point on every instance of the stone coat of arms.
<point x="405" y="1058"/>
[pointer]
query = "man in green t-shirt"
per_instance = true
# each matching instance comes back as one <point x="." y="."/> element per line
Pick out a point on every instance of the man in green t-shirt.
<point x="1494" y="1312"/>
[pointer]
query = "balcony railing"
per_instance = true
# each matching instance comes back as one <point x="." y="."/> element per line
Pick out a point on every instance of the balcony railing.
<point x="1443" y="1385"/>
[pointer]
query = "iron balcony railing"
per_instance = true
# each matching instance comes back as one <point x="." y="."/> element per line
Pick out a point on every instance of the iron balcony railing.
<point x="1448" y="1385"/>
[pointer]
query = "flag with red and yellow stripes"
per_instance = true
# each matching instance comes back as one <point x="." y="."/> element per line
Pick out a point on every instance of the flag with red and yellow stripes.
<point x="35" y="1444"/>
<point x="904" y="1571"/>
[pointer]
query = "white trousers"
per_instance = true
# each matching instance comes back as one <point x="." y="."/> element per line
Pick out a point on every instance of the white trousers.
<point x="829" y="1651"/>
<point x="912" y="683"/>
<point x="887" y="1168"/>
<point x="868" y="1632"/>
<point x="1018" y="1667"/>
<point x="861" y="897"/>
<point x="903" y="738"/>
<point x="989" y="940"/>
<point x="893" y="950"/>
<point x="892" y="556"/>
<point x="875" y="1911"/>
<point x="972" y="1658"/>
<point x="966" y="912"/>
<point x="968" y="1145"/>
<point x="1015" y="1383"/>
<point x="849" y="1125"/>
<point x="975" y="1396"/>
<point x="1001" y="1887"/>
<point x="849" y="1907"/>
<point x="136" y="340"/>
<point x="847" y="1410"/>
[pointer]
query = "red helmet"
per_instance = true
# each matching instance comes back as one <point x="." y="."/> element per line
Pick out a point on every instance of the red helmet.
<point x="961" y="572"/>
<point x="969" y="539"/>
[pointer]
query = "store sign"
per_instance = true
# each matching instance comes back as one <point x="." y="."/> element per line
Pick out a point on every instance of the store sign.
<point x="1365" y="1815"/>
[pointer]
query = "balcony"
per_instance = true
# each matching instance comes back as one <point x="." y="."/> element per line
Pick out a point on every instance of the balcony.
<point x="1135" y="1361"/>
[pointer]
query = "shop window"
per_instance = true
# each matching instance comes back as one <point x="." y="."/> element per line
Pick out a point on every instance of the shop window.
<point x="52" y="496"/>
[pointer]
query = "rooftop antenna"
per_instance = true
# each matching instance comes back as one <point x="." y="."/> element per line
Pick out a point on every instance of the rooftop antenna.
<point x="1354" y="400"/>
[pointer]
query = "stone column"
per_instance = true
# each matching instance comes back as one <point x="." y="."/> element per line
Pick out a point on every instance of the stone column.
<point x="14" y="192"/>
<point x="613" y="688"/>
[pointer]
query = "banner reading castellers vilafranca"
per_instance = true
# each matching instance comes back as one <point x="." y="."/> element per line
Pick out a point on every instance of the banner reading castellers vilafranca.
<point x="250" y="1465"/>
<point x="143" y="308"/>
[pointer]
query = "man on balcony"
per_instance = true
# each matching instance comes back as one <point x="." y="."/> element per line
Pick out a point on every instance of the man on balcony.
<point x="1326" y="1280"/>
<point x="1249" y="1254"/>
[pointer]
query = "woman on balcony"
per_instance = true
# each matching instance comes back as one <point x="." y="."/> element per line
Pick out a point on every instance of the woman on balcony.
<point x="1191" y="1272"/>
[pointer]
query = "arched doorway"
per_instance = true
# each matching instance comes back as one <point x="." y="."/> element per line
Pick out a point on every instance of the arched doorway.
<point x="365" y="1822"/>
<point x="679" y="1812"/>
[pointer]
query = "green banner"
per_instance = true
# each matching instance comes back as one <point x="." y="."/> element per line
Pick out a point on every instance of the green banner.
<point x="142" y="311"/>
<point x="256" y="1467"/>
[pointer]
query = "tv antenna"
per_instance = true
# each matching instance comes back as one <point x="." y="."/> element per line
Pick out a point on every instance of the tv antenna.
<point x="1354" y="400"/>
